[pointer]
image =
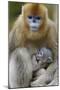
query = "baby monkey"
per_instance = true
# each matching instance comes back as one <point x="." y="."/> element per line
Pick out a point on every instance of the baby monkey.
<point x="42" y="58"/>
<point x="41" y="61"/>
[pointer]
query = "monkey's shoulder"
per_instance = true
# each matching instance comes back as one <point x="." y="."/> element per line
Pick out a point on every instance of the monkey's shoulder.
<point x="51" y="24"/>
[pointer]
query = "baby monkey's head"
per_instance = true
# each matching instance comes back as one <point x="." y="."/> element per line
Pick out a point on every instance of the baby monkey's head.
<point x="44" y="55"/>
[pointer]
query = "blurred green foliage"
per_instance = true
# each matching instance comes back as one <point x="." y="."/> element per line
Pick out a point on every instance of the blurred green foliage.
<point x="14" y="9"/>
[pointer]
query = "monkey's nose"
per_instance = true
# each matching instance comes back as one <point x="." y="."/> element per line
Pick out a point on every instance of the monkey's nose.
<point x="34" y="21"/>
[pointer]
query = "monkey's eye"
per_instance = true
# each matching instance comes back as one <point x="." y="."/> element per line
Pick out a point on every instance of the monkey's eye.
<point x="38" y="17"/>
<point x="30" y="17"/>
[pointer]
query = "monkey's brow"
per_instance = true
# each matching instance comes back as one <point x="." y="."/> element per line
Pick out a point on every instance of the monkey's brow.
<point x="38" y="17"/>
<point x="30" y="17"/>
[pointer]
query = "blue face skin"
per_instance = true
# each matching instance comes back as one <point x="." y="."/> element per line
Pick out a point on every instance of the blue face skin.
<point x="34" y="22"/>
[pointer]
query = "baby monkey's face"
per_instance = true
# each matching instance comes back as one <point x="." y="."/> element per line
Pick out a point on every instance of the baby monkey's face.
<point x="44" y="55"/>
<point x="41" y="58"/>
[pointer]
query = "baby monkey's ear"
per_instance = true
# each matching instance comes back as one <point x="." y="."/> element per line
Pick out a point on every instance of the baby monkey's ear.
<point x="49" y="60"/>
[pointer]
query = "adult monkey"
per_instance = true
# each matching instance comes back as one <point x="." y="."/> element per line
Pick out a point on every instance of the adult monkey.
<point x="33" y="29"/>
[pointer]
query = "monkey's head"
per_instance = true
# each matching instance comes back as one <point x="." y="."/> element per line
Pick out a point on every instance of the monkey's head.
<point x="35" y="20"/>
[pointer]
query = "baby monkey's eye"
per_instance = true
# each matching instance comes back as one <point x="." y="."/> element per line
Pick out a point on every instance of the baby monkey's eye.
<point x="38" y="17"/>
<point x="30" y="17"/>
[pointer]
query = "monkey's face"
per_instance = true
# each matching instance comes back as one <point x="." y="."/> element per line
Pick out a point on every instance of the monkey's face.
<point x="44" y="55"/>
<point x="34" y="16"/>
<point x="34" y="22"/>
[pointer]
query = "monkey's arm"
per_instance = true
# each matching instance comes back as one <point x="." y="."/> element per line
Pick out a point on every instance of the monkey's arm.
<point x="52" y="40"/>
<point x="20" y="68"/>
<point x="52" y="43"/>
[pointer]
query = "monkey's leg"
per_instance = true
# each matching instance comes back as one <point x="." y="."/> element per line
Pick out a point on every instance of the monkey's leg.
<point x="40" y="72"/>
<point x="55" y="81"/>
<point x="20" y="68"/>
<point x="44" y="78"/>
<point x="40" y="78"/>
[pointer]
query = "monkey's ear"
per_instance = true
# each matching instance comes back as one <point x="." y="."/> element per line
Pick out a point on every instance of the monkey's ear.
<point x="46" y="13"/>
<point x="49" y="60"/>
<point x="22" y="10"/>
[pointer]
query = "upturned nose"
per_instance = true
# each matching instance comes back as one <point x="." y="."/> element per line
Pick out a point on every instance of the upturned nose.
<point x="34" y="21"/>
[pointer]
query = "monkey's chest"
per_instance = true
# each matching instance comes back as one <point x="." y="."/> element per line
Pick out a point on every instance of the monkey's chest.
<point x="32" y="46"/>
<point x="36" y="44"/>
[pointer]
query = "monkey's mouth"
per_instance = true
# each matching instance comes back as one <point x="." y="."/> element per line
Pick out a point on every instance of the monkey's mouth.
<point x="34" y="29"/>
